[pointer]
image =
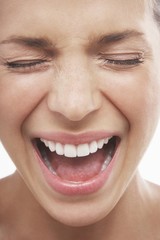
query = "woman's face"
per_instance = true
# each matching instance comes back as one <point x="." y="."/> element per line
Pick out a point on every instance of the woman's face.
<point x="73" y="74"/>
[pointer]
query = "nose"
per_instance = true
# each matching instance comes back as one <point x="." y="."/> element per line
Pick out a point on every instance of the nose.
<point x="74" y="93"/>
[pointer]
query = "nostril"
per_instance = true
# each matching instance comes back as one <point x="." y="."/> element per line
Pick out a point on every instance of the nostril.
<point x="74" y="108"/>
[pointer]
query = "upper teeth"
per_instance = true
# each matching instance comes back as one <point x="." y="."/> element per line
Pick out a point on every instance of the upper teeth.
<point x="71" y="151"/>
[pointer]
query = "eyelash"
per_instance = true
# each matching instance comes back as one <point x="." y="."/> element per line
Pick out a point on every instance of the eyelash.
<point x="28" y="65"/>
<point x="114" y="62"/>
<point x="117" y="63"/>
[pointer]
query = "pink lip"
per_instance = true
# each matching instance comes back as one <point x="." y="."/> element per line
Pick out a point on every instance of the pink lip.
<point x="75" y="138"/>
<point x="76" y="188"/>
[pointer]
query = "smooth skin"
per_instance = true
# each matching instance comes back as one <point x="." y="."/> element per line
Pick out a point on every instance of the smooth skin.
<point x="97" y="69"/>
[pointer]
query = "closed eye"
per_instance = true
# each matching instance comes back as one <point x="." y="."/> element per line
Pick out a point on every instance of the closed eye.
<point x="27" y="66"/>
<point x="121" y="61"/>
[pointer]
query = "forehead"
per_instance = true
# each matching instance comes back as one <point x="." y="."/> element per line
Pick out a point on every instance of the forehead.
<point x="71" y="15"/>
<point x="72" y="22"/>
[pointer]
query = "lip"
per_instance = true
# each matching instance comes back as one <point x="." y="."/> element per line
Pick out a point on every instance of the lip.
<point x="76" y="188"/>
<point x="75" y="139"/>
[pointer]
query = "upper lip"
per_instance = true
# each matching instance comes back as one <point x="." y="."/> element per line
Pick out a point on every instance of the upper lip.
<point x="76" y="139"/>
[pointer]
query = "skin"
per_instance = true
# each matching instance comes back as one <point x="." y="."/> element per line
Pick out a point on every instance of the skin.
<point x="105" y="96"/>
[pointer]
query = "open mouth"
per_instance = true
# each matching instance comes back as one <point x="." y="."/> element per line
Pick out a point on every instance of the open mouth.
<point x="77" y="163"/>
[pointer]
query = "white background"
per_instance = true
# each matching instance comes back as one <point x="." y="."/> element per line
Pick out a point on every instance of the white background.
<point x="149" y="166"/>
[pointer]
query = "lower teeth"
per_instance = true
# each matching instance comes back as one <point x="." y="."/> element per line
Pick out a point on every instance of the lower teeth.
<point x="106" y="163"/>
<point x="47" y="162"/>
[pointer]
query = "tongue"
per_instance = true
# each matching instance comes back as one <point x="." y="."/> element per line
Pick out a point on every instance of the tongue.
<point x="80" y="168"/>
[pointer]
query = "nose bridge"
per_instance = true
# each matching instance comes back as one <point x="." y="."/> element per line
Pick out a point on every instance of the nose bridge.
<point x="74" y="95"/>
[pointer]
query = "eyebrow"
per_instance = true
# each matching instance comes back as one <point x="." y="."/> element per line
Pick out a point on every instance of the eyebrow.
<point x="120" y="36"/>
<point x="45" y="44"/>
<point x="37" y="43"/>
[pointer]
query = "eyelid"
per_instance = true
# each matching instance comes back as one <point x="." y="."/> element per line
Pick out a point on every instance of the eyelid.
<point x="121" y="61"/>
<point x="21" y="63"/>
<point x="125" y="55"/>
<point x="28" y="65"/>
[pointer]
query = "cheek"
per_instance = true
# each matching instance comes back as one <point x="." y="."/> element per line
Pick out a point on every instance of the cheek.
<point x="136" y="95"/>
<point x="18" y="97"/>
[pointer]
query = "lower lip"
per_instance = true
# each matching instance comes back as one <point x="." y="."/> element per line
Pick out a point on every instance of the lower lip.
<point x="77" y="188"/>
